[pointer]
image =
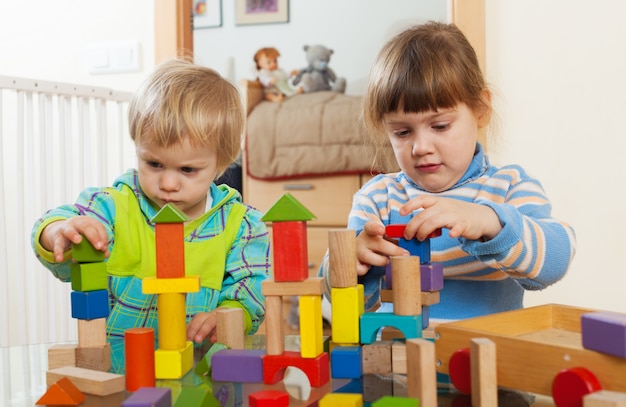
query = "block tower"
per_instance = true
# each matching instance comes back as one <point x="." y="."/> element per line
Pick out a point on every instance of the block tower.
<point x="174" y="357"/>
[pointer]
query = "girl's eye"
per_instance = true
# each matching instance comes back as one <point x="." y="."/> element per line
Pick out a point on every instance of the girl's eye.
<point x="440" y="126"/>
<point x="401" y="133"/>
<point x="187" y="170"/>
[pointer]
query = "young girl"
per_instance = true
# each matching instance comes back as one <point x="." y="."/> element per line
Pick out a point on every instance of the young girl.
<point x="426" y="96"/>
<point x="186" y="122"/>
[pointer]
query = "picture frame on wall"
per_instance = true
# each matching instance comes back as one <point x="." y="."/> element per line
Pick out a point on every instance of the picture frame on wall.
<point x="207" y="14"/>
<point x="261" y="12"/>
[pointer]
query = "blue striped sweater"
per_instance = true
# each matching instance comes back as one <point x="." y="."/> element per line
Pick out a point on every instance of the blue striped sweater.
<point x="532" y="251"/>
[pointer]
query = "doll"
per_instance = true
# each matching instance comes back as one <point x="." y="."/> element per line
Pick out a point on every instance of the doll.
<point x="275" y="80"/>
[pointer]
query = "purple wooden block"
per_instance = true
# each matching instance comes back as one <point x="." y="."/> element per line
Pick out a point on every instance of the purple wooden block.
<point x="431" y="276"/>
<point x="238" y="365"/>
<point x="604" y="332"/>
<point x="150" y="397"/>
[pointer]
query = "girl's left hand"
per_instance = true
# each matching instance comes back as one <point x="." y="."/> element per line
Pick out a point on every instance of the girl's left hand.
<point x="464" y="219"/>
<point x="202" y="326"/>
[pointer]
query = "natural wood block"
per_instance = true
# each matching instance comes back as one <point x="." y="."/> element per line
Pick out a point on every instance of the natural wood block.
<point x="484" y="375"/>
<point x="398" y="356"/>
<point x="310" y="286"/>
<point x="342" y="258"/>
<point x="407" y="299"/>
<point x="421" y="375"/>
<point x="376" y="358"/>
<point x="605" y="398"/>
<point x="62" y="355"/>
<point x="274" y="325"/>
<point x="94" y="357"/>
<point x="428" y="298"/>
<point x="230" y="325"/>
<point x="88" y="381"/>
<point x="92" y="332"/>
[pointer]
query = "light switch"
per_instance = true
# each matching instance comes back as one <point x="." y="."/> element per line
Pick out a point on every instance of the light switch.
<point x="113" y="57"/>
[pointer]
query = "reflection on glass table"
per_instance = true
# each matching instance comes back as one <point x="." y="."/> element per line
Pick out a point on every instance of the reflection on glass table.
<point x="23" y="382"/>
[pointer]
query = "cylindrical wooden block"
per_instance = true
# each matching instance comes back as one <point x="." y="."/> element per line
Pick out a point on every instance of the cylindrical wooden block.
<point x="171" y="319"/>
<point x="139" y="354"/>
<point x="274" y="331"/>
<point x="342" y="258"/>
<point x="407" y="285"/>
<point x="230" y="327"/>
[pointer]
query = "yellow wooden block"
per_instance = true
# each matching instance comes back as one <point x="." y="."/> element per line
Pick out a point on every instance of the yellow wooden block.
<point x="153" y="285"/>
<point x="173" y="364"/>
<point x="171" y="319"/>
<point x="341" y="400"/>
<point x="346" y="310"/>
<point x="311" y="326"/>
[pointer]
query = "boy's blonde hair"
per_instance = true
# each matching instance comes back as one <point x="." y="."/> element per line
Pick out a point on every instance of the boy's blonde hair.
<point x="184" y="102"/>
<point x="424" y="68"/>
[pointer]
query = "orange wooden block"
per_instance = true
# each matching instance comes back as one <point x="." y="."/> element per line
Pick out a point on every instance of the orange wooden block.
<point x="139" y="352"/>
<point x="170" y="250"/>
<point x="62" y="393"/>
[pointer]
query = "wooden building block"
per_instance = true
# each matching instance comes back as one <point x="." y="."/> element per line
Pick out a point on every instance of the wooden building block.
<point x="341" y="400"/>
<point x="605" y="398"/>
<point x="173" y="363"/>
<point x="398" y="356"/>
<point x="290" y="251"/>
<point x="153" y="285"/>
<point x="139" y="358"/>
<point x="431" y="276"/>
<point x="605" y="332"/>
<point x="94" y="357"/>
<point x="274" y="325"/>
<point x="311" y="326"/>
<point x="88" y="381"/>
<point x="428" y="298"/>
<point x="89" y="276"/>
<point x="169" y="213"/>
<point x="230" y="327"/>
<point x="376" y="358"/>
<point x="170" y="250"/>
<point x="90" y="304"/>
<point x="92" y="332"/>
<point x="421" y="374"/>
<point x="407" y="297"/>
<point x="342" y="258"/>
<point x="346" y="362"/>
<point x="375" y="387"/>
<point x="484" y="375"/>
<point x="199" y="396"/>
<point x="171" y="319"/>
<point x="268" y="398"/>
<point x="204" y="365"/>
<point x="84" y="252"/>
<point x="62" y="355"/>
<point x="316" y="369"/>
<point x="309" y="286"/>
<point x="238" y="365"/>
<point x="394" y="401"/>
<point x="347" y="307"/>
<point x="371" y="322"/>
<point x="62" y="392"/>
<point x="150" y="397"/>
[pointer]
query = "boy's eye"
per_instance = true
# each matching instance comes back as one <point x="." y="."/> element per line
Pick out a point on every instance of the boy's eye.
<point x="187" y="170"/>
<point x="153" y="164"/>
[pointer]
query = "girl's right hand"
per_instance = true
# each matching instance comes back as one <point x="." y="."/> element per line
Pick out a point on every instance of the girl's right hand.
<point x="372" y="249"/>
<point x="58" y="236"/>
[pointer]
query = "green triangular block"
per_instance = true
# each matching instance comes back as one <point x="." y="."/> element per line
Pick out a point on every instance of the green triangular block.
<point x="200" y="396"/>
<point x="203" y="368"/>
<point x="287" y="208"/>
<point x="169" y="214"/>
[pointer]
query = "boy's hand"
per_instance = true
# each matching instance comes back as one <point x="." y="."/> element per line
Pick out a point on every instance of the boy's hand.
<point x="463" y="219"/>
<point x="58" y="236"/>
<point x="372" y="249"/>
<point x="202" y="326"/>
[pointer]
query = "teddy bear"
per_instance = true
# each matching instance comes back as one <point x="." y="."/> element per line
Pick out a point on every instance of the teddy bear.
<point x="317" y="76"/>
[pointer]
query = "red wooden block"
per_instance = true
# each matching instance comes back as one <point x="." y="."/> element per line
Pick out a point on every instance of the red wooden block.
<point x="317" y="369"/>
<point x="269" y="398"/>
<point x="62" y="393"/>
<point x="397" y="231"/>
<point x="571" y="385"/>
<point x="460" y="370"/>
<point x="290" y="251"/>
<point x="170" y="250"/>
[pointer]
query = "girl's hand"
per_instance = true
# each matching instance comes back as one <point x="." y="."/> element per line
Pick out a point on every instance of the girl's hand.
<point x="202" y="326"/>
<point x="372" y="249"/>
<point x="58" y="236"/>
<point x="463" y="219"/>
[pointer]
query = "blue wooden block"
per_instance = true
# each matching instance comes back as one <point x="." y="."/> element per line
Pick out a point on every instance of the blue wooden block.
<point x="417" y="248"/>
<point x="371" y="322"/>
<point x="150" y="397"/>
<point x="353" y="386"/>
<point x="425" y="316"/>
<point x="238" y="365"/>
<point x="345" y="362"/>
<point x="604" y="332"/>
<point x="90" y="304"/>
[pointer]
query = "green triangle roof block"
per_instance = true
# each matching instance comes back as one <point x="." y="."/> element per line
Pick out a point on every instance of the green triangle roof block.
<point x="287" y="208"/>
<point x="169" y="214"/>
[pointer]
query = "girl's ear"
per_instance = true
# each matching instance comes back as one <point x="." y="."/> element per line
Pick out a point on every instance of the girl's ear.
<point x="483" y="113"/>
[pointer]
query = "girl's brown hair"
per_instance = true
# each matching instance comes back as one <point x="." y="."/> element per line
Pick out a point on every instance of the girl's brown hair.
<point x="184" y="102"/>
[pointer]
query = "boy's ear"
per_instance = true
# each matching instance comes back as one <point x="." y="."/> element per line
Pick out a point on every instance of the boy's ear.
<point x="483" y="114"/>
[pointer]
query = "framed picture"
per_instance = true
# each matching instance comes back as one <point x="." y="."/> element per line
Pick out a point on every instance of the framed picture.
<point x="261" y="11"/>
<point x="207" y="14"/>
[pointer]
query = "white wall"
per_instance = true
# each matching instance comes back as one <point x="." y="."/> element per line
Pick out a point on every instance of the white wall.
<point x="354" y="29"/>
<point x="559" y="70"/>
